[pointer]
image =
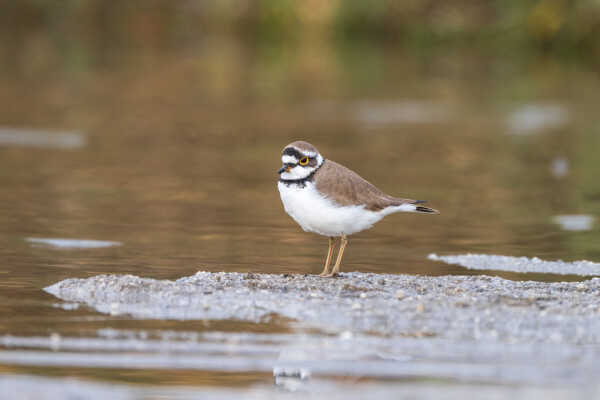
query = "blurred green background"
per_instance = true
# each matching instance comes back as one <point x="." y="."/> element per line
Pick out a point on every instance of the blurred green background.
<point x="567" y="29"/>
<point x="80" y="34"/>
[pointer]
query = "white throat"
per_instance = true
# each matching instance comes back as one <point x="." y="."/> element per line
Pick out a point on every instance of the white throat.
<point x="298" y="172"/>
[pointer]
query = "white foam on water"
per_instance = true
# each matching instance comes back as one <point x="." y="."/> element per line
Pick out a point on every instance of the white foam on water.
<point x="137" y="343"/>
<point x="575" y="222"/>
<point x="41" y="138"/>
<point x="400" y="112"/>
<point x="304" y="356"/>
<point x="559" y="167"/>
<point x="520" y="264"/>
<point x="533" y="118"/>
<point x="72" y="243"/>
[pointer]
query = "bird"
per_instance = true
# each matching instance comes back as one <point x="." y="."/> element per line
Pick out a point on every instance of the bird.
<point x="326" y="198"/>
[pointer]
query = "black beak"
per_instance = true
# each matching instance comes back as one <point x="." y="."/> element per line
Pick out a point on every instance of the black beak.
<point x="286" y="168"/>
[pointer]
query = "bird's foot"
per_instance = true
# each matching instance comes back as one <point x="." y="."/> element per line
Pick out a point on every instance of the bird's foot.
<point x="329" y="275"/>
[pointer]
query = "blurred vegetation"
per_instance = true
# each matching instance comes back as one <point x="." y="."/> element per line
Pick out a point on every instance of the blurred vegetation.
<point x="558" y="27"/>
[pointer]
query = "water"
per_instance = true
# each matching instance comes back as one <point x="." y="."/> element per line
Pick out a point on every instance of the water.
<point x="170" y="150"/>
<point x="492" y="262"/>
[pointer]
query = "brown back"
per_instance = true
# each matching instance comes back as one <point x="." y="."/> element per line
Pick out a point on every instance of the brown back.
<point x="347" y="188"/>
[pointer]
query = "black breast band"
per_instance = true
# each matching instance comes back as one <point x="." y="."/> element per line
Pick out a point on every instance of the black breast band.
<point x="302" y="181"/>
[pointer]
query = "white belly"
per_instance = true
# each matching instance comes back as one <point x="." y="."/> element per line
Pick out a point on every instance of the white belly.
<point x="315" y="213"/>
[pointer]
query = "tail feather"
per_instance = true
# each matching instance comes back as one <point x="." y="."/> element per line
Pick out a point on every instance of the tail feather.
<point x="409" y="205"/>
<point x="427" y="210"/>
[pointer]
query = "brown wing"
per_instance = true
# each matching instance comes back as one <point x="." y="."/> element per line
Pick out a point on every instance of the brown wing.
<point x="346" y="188"/>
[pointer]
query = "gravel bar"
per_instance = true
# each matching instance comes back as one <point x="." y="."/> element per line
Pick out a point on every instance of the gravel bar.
<point x="460" y="308"/>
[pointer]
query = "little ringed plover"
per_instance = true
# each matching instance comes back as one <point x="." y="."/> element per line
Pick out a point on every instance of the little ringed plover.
<point x="327" y="198"/>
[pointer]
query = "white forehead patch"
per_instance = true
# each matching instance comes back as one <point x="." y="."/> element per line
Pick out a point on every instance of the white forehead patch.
<point x="287" y="159"/>
<point x="307" y="153"/>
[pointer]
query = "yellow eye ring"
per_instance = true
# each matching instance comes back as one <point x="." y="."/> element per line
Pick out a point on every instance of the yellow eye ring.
<point x="303" y="161"/>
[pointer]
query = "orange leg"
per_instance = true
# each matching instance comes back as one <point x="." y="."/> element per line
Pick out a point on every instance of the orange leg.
<point x="336" y="268"/>
<point x="329" y="256"/>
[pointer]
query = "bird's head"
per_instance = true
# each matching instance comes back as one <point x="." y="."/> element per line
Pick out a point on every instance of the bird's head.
<point x="300" y="159"/>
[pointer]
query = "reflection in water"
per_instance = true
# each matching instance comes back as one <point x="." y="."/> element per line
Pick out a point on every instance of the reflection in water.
<point x="34" y="387"/>
<point x="575" y="222"/>
<point x="43" y="139"/>
<point x="72" y="243"/>
<point x="535" y="118"/>
<point x="560" y="167"/>
<point x="520" y="264"/>
<point x="297" y="360"/>
<point x="402" y="112"/>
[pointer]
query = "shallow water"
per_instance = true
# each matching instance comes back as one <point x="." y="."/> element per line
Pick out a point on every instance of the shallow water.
<point x="170" y="151"/>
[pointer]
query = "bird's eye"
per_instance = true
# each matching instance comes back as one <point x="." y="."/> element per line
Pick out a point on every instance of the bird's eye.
<point x="303" y="161"/>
